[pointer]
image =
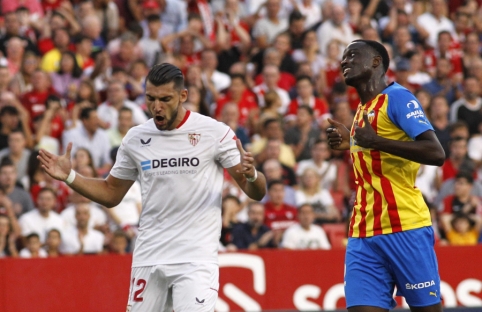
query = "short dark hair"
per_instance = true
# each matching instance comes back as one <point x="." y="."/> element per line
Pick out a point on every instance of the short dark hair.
<point x="9" y="110"/>
<point x="379" y="49"/>
<point x="274" y="182"/>
<point x="304" y="77"/>
<point x="443" y="32"/>
<point x="54" y="230"/>
<point x="32" y="235"/>
<point x="6" y="162"/>
<point x="295" y="16"/>
<point x="307" y="108"/>
<point x="165" y="73"/>
<point x="268" y="121"/>
<point x="153" y="18"/>
<point x="462" y="174"/>
<point x="125" y="109"/>
<point x="85" y="113"/>
<point x="238" y="76"/>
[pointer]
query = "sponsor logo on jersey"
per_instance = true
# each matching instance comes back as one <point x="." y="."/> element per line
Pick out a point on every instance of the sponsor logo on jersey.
<point x="169" y="163"/>
<point x="146" y="143"/>
<point x="416" y="114"/>
<point x="199" y="301"/>
<point x="194" y="138"/>
<point x="371" y="116"/>
<point x="420" y="285"/>
<point x="414" y="104"/>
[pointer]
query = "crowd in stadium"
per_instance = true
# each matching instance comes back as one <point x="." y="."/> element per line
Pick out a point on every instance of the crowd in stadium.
<point x="73" y="71"/>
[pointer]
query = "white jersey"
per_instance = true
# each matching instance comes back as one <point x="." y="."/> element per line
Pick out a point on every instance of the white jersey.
<point x="181" y="176"/>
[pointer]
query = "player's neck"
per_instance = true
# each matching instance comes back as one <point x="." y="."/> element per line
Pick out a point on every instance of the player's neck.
<point x="179" y="118"/>
<point x="369" y="90"/>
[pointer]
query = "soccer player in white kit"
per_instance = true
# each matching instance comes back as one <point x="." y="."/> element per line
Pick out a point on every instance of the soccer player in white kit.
<point x="178" y="156"/>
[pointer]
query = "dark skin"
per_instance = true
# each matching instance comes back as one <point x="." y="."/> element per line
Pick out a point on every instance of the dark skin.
<point x="363" y="69"/>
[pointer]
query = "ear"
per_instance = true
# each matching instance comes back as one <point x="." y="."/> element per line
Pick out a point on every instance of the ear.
<point x="183" y="95"/>
<point x="377" y="61"/>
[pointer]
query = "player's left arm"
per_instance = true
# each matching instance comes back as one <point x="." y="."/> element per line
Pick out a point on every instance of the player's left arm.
<point x="245" y="170"/>
<point x="425" y="147"/>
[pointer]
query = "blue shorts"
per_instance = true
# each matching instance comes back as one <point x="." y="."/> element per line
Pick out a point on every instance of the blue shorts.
<point x="375" y="265"/>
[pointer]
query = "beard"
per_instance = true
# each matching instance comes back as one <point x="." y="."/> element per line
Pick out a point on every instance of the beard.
<point x="169" y="122"/>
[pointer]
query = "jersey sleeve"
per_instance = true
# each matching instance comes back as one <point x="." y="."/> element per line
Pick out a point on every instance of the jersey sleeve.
<point x="406" y="113"/>
<point x="227" y="153"/>
<point x="125" y="167"/>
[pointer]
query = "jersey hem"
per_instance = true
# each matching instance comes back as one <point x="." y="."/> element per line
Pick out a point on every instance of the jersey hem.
<point x="146" y="264"/>
<point x="407" y="228"/>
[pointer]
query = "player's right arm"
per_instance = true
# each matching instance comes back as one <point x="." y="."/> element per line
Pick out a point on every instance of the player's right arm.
<point x="107" y="192"/>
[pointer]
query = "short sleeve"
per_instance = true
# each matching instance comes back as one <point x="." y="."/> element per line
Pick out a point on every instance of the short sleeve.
<point x="406" y="113"/>
<point x="124" y="168"/>
<point x="227" y="152"/>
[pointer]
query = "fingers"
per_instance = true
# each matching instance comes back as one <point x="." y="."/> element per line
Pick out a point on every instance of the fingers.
<point x="333" y="122"/>
<point x="68" y="150"/>
<point x="240" y="147"/>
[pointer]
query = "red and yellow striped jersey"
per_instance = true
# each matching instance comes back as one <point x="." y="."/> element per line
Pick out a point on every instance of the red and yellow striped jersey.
<point x="387" y="200"/>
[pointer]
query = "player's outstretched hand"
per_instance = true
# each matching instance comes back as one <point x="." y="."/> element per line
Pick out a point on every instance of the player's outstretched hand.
<point x="338" y="135"/>
<point x="247" y="161"/>
<point x="58" y="167"/>
<point x="364" y="136"/>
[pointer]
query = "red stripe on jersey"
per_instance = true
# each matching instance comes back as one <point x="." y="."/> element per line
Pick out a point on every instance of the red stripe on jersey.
<point x="387" y="191"/>
<point x="377" y="206"/>
<point x="377" y="198"/>
<point x="186" y="116"/>
<point x="224" y="136"/>
<point x="363" y="204"/>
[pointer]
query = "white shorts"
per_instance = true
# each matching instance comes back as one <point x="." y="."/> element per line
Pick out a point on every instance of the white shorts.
<point x="185" y="287"/>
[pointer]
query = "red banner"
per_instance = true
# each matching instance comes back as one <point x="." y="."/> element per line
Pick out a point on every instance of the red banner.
<point x="265" y="280"/>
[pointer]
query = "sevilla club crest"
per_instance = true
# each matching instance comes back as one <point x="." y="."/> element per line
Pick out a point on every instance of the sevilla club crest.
<point x="194" y="138"/>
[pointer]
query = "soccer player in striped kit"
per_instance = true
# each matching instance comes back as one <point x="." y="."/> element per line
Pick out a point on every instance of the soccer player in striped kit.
<point x="390" y="235"/>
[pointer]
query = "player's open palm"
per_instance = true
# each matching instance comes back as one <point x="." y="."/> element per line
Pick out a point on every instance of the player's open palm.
<point x="338" y="135"/>
<point x="58" y="167"/>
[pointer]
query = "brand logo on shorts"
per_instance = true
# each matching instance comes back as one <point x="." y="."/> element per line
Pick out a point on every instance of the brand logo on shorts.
<point x="199" y="301"/>
<point x="433" y="293"/>
<point x="420" y="285"/>
<point x="194" y="138"/>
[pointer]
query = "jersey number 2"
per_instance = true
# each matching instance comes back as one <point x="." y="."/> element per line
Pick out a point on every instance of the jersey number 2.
<point x="137" y="294"/>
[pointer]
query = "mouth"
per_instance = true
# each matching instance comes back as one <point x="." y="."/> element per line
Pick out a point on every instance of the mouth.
<point x="345" y="71"/>
<point x="160" y="120"/>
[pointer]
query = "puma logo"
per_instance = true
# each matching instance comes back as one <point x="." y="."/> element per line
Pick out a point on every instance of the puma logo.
<point x="433" y="293"/>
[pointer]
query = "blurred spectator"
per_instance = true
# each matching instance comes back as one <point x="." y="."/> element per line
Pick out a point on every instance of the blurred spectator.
<point x="253" y="234"/>
<point x="150" y="44"/>
<point x="81" y="238"/>
<point x="17" y="152"/>
<point x="90" y="136"/>
<point x="464" y="230"/>
<point x="209" y="63"/>
<point x="195" y="97"/>
<point x="125" y="122"/>
<point x="296" y="29"/>
<point x="119" y="243"/>
<point x="9" y="120"/>
<point x="239" y="94"/>
<point x="66" y="80"/>
<point x="462" y="200"/>
<point x="403" y="44"/>
<point x="53" y="243"/>
<point x="309" y="51"/>
<point x="311" y="192"/>
<point x="108" y="112"/>
<point x="303" y="134"/>
<point x="34" y="101"/>
<point x="471" y="52"/>
<point x="305" y="234"/>
<point x="7" y="236"/>
<point x="21" y="200"/>
<point x="270" y="110"/>
<point x="33" y="247"/>
<point x="468" y="108"/>
<point x="417" y="77"/>
<point x="315" y="106"/>
<point x="272" y="131"/>
<point x="92" y="28"/>
<point x="273" y="148"/>
<point x="336" y="28"/>
<point x="83" y="49"/>
<point x="275" y="171"/>
<point x="51" y="60"/>
<point x="402" y="73"/>
<point x="22" y="81"/>
<point x="427" y="181"/>
<point x="271" y="77"/>
<point x="311" y="10"/>
<point x="126" y="54"/>
<point x="266" y="28"/>
<point x="273" y="56"/>
<point x="438" y="116"/>
<point x="320" y="155"/>
<point x="5" y="78"/>
<point x="97" y="219"/>
<point x="457" y="159"/>
<point x="444" y="50"/>
<point x="230" y="116"/>
<point x="42" y="219"/>
<point x="12" y="29"/>
<point x="329" y="72"/>
<point x="442" y="84"/>
<point x="435" y="21"/>
<point x="108" y="14"/>
<point x="278" y="214"/>
<point x="15" y="49"/>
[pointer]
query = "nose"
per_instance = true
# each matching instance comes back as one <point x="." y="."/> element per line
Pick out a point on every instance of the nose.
<point x="343" y="61"/>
